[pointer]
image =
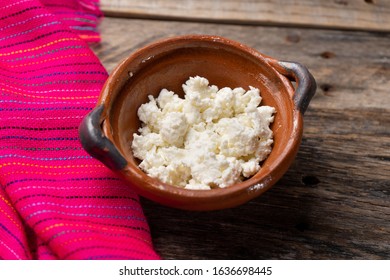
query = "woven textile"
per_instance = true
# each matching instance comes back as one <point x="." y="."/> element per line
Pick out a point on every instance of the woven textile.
<point x="56" y="202"/>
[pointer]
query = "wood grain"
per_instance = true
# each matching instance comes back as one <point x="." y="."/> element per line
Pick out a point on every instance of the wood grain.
<point x="334" y="201"/>
<point x="338" y="14"/>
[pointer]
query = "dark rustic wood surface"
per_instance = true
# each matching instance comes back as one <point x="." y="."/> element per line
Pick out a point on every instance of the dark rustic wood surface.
<point x="340" y="14"/>
<point x="334" y="201"/>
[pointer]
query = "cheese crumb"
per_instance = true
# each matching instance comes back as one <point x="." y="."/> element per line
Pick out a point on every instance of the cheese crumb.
<point x="211" y="138"/>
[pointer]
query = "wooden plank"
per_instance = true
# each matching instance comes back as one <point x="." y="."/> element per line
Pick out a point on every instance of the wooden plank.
<point x="336" y="14"/>
<point x="333" y="203"/>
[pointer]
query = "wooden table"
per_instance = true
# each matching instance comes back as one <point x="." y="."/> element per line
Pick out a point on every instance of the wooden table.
<point x="334" y="202"/>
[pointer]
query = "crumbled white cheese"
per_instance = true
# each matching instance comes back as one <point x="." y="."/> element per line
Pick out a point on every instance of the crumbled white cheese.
<point x="210" y="138"/>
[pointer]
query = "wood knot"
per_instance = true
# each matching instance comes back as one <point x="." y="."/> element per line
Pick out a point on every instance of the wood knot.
<point x="310" y="180"/>
<point x="326" y="88"/>
<point x="293" y="38"/>
<point x="327" y="55"/>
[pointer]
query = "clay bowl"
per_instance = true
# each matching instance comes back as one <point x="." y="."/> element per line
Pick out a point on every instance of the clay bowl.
<point x="106" y="133"/>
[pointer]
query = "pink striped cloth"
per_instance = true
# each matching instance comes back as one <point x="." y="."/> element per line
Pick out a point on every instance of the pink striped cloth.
<point x="56" y="202"/>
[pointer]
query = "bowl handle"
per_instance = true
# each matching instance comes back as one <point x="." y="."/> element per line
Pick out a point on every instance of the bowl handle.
<point x="96" y="144"/>
<point x="306" y="84"/>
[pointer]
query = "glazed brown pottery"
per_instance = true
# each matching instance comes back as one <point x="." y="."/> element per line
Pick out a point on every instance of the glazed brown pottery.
<point x="106" y="133"/>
